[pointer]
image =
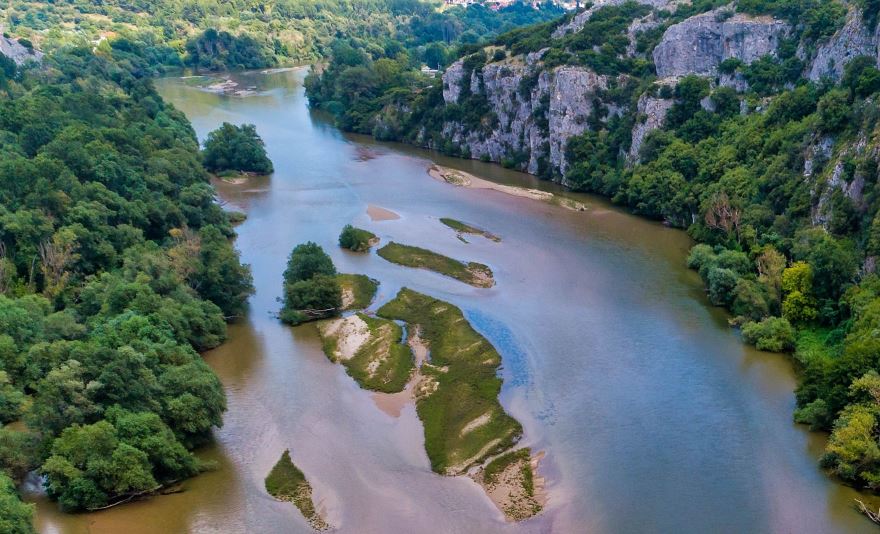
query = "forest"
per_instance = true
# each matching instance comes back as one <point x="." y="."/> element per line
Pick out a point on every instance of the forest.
<point x="222" y="35"/>
<point x="796" y="268"/>
<point x="116" y="267"/>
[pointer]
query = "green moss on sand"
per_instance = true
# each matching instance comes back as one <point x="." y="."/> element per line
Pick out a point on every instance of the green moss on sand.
<point x="358" y="290"/>
<point x="464" y="228"/>
<point x="380" y="360"/>
<point x="475" y="274"/>
<point x="287" y="483"/>
<point x="457" y="397"/>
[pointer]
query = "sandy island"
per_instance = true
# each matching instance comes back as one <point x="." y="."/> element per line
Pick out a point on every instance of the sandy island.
<point x="378" y="213"/>
<point x="464" y="179"/>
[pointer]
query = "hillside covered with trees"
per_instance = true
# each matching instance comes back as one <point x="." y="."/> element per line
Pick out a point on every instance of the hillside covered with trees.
<point x="218" y="35"/>
<point x="116" y="267"/>
<point x="761" y="142"/>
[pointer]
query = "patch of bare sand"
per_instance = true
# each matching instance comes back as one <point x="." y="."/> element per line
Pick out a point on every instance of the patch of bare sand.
<point x="466" y="179"/>
<point x="393" y="403"/>
<point x="350" y="333"/>
<point x="476" y="423"/>
<point x="378" y="213"/>
<point x="509" y="490"/>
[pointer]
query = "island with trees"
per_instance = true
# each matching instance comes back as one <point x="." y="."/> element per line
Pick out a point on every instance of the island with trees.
<point x="235" y="152"/>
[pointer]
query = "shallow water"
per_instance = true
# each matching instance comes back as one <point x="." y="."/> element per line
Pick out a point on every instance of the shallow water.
<point x="653" y="415"/>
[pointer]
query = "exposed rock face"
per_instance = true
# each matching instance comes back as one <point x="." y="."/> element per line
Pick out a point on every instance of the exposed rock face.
<point x="18" y="53"/>
<point x="652" y="112"/>
<point x="699" y="44"/>
<point x="851" y="41"/>
<point x="536" y="125"/>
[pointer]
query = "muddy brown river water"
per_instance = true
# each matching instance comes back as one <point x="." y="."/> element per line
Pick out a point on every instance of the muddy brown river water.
<point x="654" y="417"/>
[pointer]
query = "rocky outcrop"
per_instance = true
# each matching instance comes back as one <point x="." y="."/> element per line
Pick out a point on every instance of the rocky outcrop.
<point x="12" y="49"/>
<point x="537" y="111"/>
<point x="699" y="44"/>
<point x="852" y="40"/>
<point x="652" y="112"/>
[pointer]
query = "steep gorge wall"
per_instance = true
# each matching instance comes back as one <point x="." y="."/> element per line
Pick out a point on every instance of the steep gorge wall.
<point x="534" y="110"/>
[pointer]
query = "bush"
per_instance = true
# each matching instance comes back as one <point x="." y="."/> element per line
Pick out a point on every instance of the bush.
<point x="750" y="300"/>
<point x="356" y="239"/>
<point x="852" y="452"/>
<point x="700" y="255"/>
<point x="774" y="334"/>
<point x="320" y="293"/>
<point x="16" y="517"/>
<point x="722" y="283"/>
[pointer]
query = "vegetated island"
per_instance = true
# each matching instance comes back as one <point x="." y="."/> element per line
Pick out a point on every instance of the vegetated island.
<point x="457" y="400"/>
<point x="465" y="179"/>
<point x="464" y="228"/>
<point x="287" y="483"/>
<point x="234" y="153"/>
<point x="358" y="290"/>
<point x="313" y="289"/>
<point x="371" y="349"/>
<point x="472" y="273"/>
<point x="357" y="239"/>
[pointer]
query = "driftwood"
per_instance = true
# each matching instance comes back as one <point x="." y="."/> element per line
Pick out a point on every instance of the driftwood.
<point x="161" y="489"/>
<point x="871" y="514"/>
<point x="318" y="313"/>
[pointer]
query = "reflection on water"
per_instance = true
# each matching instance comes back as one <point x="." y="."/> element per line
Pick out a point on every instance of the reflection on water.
<point x="653" y="415"/>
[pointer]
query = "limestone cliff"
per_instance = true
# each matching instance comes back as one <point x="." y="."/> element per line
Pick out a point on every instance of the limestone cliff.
<point x="699" y="44"/>
<point x="536" y="110"/>
<point x="530" y="109"/>
<point x="12" y="49"/>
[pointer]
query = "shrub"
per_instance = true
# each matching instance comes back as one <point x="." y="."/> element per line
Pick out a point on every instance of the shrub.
<point x="750" y="300"/>
<point x="799" y="308"/>
<point x="318" y="296"/>
<point x="774" y="334"/>
<point x="721" y="284"/>
<point x="700" y="255"/>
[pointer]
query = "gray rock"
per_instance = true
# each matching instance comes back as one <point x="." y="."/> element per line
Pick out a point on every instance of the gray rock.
<point x="18" y="53"/>
<point x="651" y="116"/>
<point x="851" y="41"/>
<point x="562" y="98"/>
<point x="699" y="44"/>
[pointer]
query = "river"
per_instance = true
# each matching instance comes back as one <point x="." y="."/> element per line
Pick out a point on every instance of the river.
<point x="653" y="415"/>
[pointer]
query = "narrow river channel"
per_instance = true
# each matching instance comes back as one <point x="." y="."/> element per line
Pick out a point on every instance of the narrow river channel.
<point x="654" y="417"/>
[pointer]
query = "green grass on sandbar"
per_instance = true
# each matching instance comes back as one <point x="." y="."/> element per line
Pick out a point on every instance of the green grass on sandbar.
<point x="361" y="287"/>
<point x="464" y="228"/>
<point x="463" y="420"/>
<point x="287" y="483"/>
<point x="475" y="274"/>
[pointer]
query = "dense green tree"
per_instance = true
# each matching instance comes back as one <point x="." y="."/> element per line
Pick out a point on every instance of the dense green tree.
<point x="236" y="148"/>
<point x="16" y="517"/>
<point x="306" y="261"/>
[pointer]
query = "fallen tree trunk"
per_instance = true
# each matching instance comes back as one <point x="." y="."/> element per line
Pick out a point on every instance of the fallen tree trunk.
<point x="872" y="515"/>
